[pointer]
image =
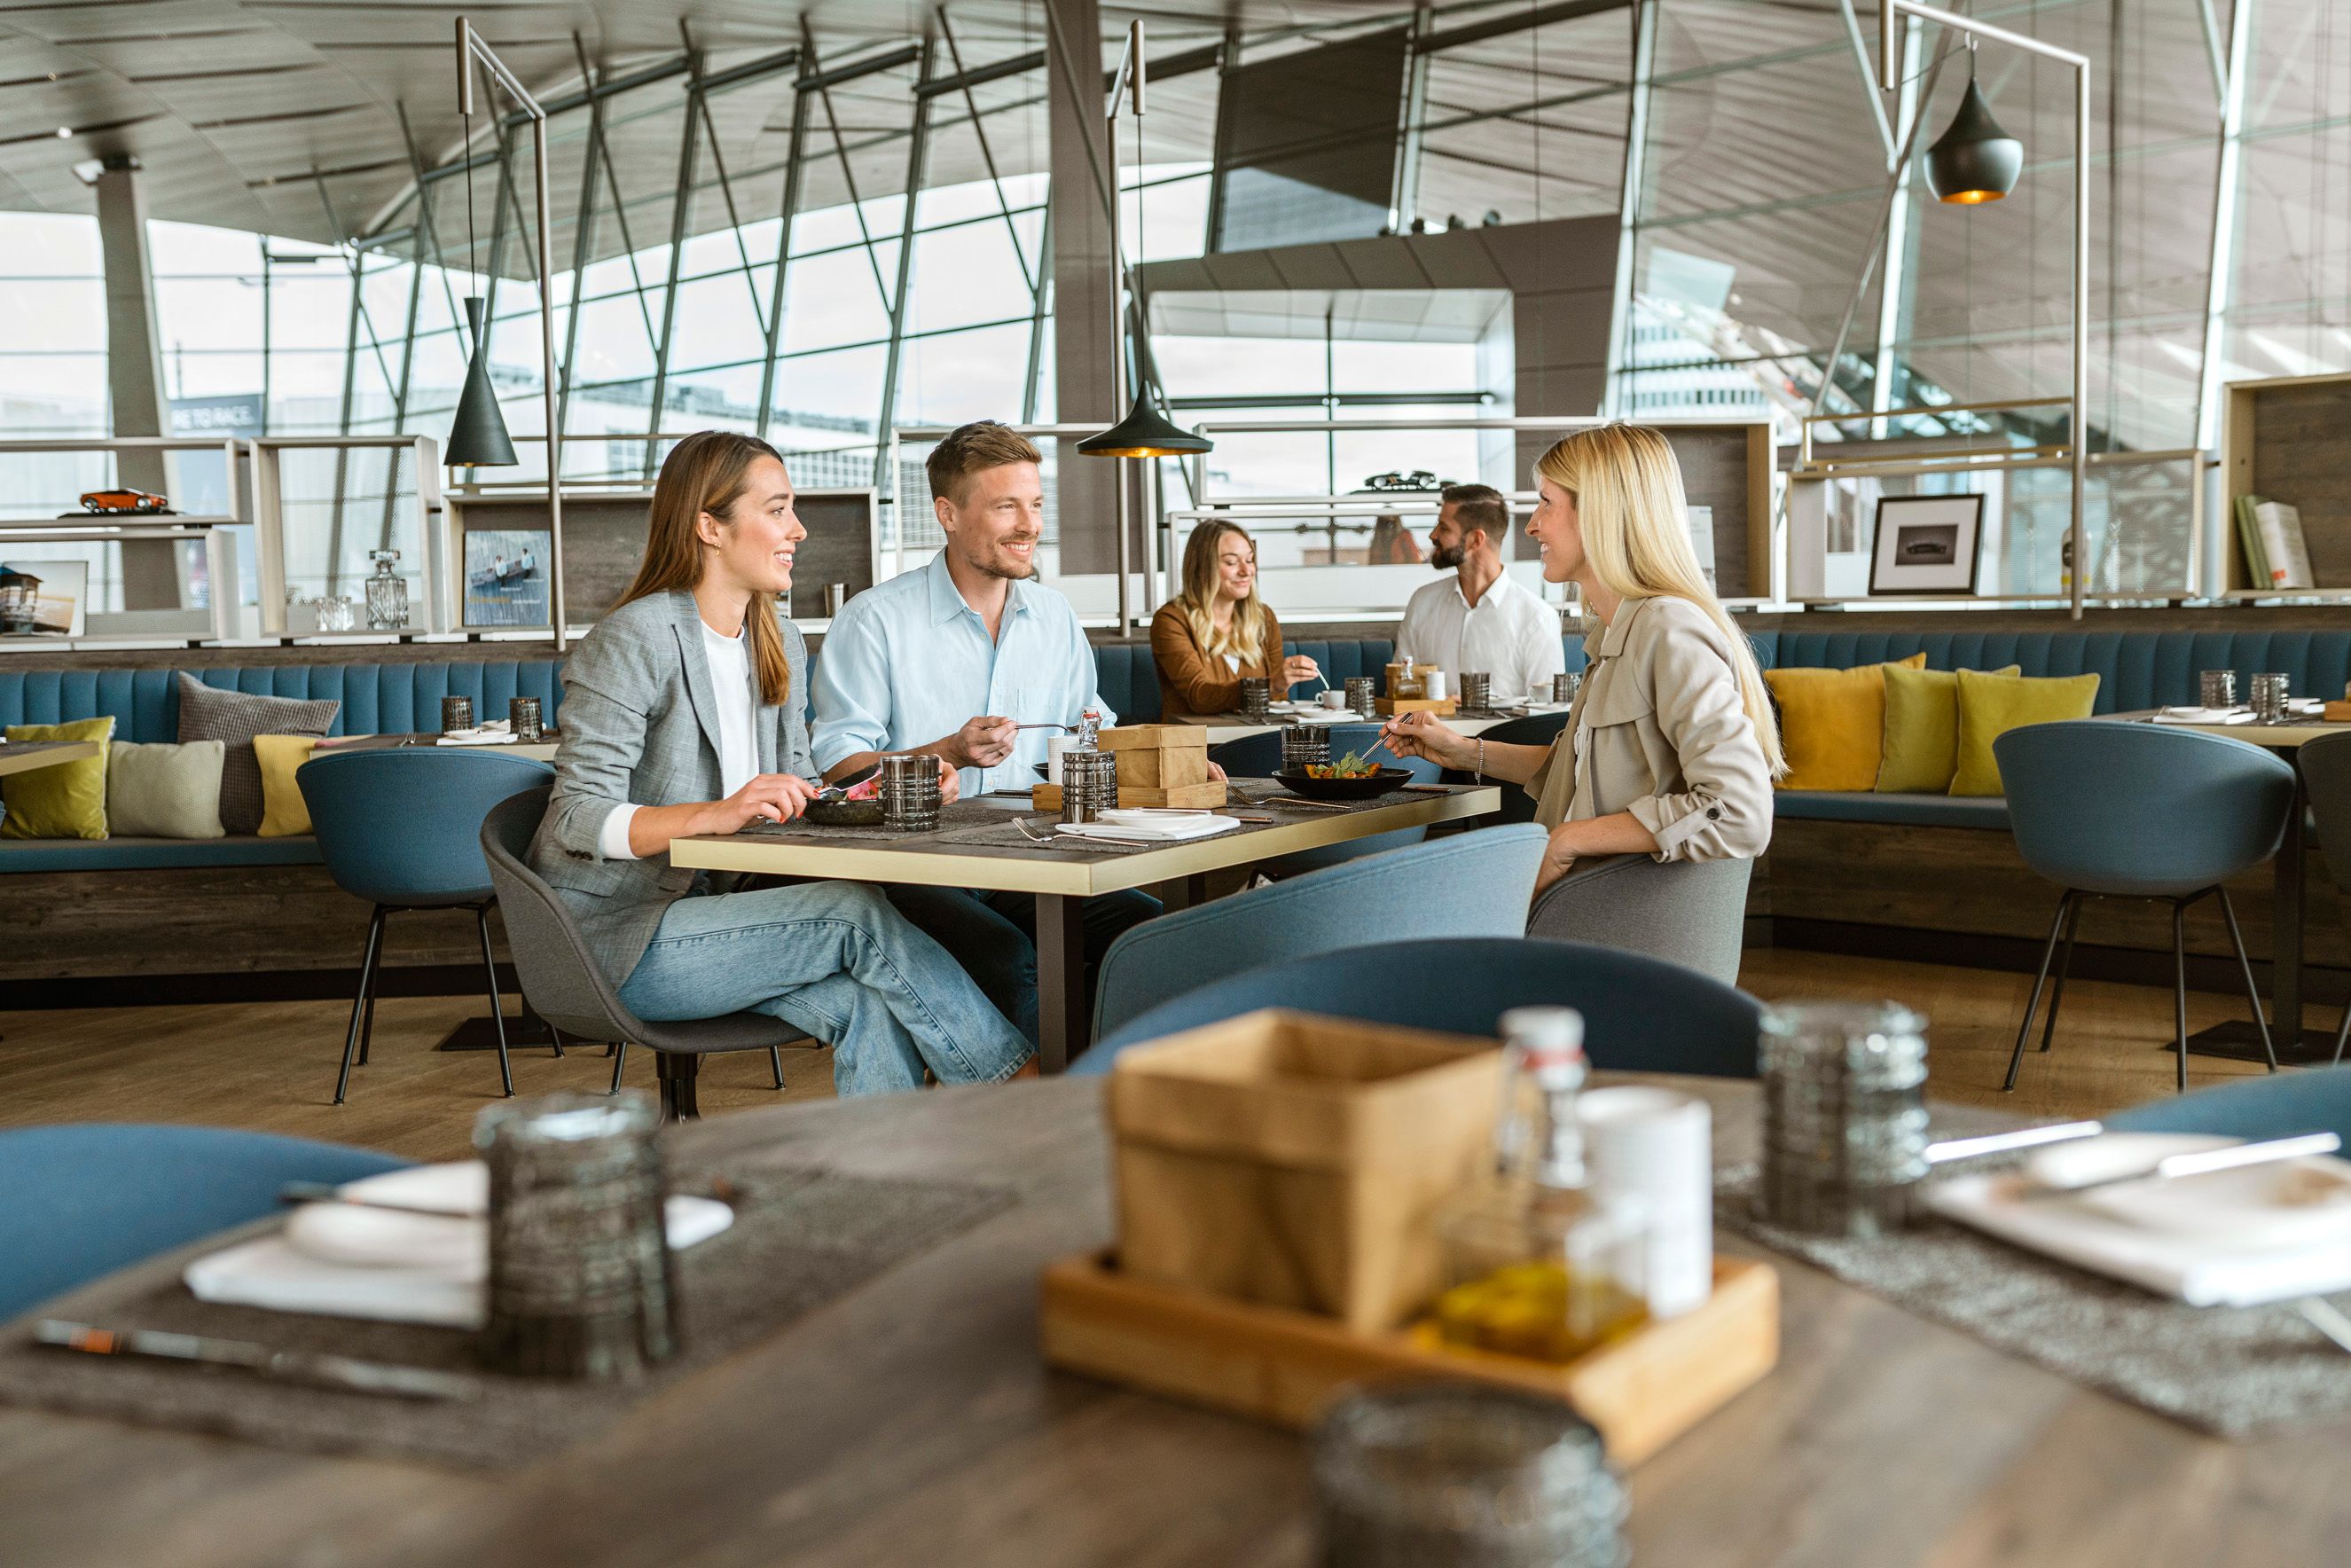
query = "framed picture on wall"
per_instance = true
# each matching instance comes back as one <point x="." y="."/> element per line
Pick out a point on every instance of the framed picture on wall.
<point x="44" y="598"/>
<point x="1927" y="543"/>
<point x="507" y="577"/>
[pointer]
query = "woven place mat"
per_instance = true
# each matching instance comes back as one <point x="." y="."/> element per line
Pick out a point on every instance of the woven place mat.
<point x="800" y="1237"/>
<point x="1004" y="835"/>
<point x="952" y="815"/>
<point x="2234" y="1372"/>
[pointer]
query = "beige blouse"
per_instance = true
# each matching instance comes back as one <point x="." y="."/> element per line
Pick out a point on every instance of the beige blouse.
<point x="1658" y="730"/>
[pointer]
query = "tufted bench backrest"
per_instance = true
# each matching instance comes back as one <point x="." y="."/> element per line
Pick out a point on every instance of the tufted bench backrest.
<point x="377" y="698"/>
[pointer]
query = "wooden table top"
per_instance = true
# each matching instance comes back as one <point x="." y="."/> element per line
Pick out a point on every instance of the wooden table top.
<point x="1077" y="870"/>
<point x="911" y="1421"/>
<point x="537" y="750"/>
<point x="2275" y="736"/>
<point x="23" y="756"/>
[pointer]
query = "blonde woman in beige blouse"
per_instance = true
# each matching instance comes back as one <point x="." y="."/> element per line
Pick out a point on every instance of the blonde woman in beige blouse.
<point x="1671" y="750"/>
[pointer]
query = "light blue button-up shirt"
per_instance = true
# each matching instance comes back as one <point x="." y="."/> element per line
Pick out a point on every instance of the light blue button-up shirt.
<point x="907" y="662"/>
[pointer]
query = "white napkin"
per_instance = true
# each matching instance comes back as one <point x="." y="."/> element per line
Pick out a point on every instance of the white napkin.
<point x="2205" y="716"/>
<point x="346" y="1261"/>
<point x="2200" y="1270"/>
<point x="498" y="734"/>
<point x="1148" y="824"/>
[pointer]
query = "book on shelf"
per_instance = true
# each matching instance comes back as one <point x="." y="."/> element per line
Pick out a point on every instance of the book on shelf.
<point x="2248" y="536"/>
<point x="2284" y="545"/>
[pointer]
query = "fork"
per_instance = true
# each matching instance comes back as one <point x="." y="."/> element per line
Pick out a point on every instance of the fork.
<point x="1022" y="824"/>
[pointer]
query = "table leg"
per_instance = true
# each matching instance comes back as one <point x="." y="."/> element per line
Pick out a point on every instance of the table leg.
<point x="2237" y="1039"/>
<point x="1064" y="1022"/>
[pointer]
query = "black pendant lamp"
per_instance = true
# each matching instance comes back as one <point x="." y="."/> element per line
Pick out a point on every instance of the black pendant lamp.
<point x="1145" y="433"/>
<point x="477" y="434"/>
<point x="1974" y="161"/>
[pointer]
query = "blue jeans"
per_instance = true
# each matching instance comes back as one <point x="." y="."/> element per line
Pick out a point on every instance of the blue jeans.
<point x="834" y="959"/>
<point x="993" y="935"/>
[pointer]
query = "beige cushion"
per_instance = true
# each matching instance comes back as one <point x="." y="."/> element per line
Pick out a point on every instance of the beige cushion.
<point x="155" y="790"/>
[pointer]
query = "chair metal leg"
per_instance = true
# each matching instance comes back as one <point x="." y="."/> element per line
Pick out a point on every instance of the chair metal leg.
<point x="370" y="983"/>
<point x="620" y="1051"/>
<point x="2253" y="992"/>
<point x="359" y="1002"/>
<point x="677" y="1071"/>
<point x="2064" y="966"/>
<point x="2179" y="985"/>
<point x="2024" y="1029"/>
<point x="776" y="1063"/>
<point x="497" y="1009"/>
<point x="554" y="1038"/>
<point x="2342" y="1034"/>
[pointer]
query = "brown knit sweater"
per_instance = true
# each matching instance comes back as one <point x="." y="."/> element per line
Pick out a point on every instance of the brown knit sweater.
<point x="1193" y="681"/>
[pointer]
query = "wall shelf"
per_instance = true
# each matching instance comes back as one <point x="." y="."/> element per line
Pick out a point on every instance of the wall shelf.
<point x="2289" y="439"/>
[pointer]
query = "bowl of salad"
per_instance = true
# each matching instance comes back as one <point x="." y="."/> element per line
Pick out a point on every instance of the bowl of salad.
<point x="1354" y="777"/>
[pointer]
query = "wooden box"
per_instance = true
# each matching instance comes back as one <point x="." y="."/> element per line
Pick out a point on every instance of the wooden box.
<point x="1150" y="767"/>
<point x="1443" y="707"/>
<point x="1277" y="1366"/>
<point x="1298" y="1162"/>
<point x="1154" y="737"/>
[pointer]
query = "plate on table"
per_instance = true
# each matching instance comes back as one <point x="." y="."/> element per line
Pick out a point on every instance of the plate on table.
<point x="2288" y="1204"/>
<point x="1364" y="787"/>
<point x="844" y="814"/>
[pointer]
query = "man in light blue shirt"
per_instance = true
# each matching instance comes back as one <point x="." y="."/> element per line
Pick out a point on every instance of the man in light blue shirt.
<point x="952" y="659"/>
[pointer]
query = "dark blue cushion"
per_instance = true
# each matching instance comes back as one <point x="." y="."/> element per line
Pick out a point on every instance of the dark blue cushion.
<point x="152" y="855"/>
<point x="1914" y="811"/>
<point x="87" y="1199"/>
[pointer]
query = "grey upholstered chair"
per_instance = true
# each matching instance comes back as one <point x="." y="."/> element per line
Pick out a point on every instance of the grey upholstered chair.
<point x="1691" y="913"/>
<point x="563" y="985"/>
<point x="2108" y="809"/>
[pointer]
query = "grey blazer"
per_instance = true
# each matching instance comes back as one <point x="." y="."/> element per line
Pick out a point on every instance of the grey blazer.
<point x="640" y="723"/>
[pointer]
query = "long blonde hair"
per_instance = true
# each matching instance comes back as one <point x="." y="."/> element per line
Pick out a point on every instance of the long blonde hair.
<point x="1245" y="638"/>
<point x="1635" y="517"/>
<point x="708" y="471"/>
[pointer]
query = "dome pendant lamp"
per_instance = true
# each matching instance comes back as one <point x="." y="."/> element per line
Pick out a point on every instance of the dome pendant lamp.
<point x="1974" y="161"/>
<point x="1145" y="433"/>
<point x="477" y="432"/>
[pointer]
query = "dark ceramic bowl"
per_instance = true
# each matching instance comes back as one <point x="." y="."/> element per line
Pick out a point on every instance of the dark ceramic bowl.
<point x="845" y="813"/>
<point x="1310" y="788"/>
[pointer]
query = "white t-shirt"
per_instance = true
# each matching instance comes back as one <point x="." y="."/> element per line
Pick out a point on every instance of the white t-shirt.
<point x="1511" y="635"/>
<point x="739" y="753"/>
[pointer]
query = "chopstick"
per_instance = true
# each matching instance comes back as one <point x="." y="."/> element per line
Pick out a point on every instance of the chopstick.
<point x="308" y="1192"/>
<point x="2236" y="1156"/>
<point x="1951" y="1149"/>
<point x="316" y="1370"/>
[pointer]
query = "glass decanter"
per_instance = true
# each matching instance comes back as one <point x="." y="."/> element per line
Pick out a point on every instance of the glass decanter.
<point x="1536" y="1265"/>
<point x="387" y="595"/>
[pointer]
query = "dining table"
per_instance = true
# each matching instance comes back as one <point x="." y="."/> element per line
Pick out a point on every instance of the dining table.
<point x="540" y="750"/>
<point x="910" y="1420"/>
<point x="1065" y="871"/>
<point x="24" y="756"/>
<point x="1237" y="726"/>
<point x="2237" y="1039"/>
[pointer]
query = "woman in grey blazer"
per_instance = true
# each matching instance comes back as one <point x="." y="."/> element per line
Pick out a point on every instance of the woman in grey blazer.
<point x="1658" y="793"/>
<point x="684" y="712"/>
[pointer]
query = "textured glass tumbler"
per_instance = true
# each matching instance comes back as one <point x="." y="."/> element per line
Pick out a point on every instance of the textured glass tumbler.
<point x="911" y="792"/>
<point x="1360" y="696"/>
<point x="522" y="717"/>
<point x="1089" y="785"/>
<point x="2216" y="688"/>
<point x="2269" y="694"/>
<point x="1477" y="690"/>
<point x="1455" y="1475"/>
<point x="457" y="714"/>
<point x="580" y="1278"/>
<point x="1845" y="1116"/>
<point x="1257" y="696"/>
<point x="1304" y="745"/>
<point x="1563" y="685"/>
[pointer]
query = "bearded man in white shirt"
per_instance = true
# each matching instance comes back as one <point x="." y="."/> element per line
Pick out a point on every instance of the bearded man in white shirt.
<point x="1480" y="618"/>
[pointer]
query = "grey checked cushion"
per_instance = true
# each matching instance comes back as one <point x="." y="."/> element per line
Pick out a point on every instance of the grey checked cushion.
<point x="207" y="713"/>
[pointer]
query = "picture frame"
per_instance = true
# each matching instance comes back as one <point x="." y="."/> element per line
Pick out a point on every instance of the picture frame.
<point x="507" y="577"/>
<point x="46" y="599"/>
<point x="1927" y="545"/>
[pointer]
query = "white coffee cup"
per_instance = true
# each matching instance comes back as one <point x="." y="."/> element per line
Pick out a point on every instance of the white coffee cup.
<point x="1435" y="688"/>
<point x="1652" y="1150"/>
<point x="1335" y="700"/>
<point x="1053" y="749"/>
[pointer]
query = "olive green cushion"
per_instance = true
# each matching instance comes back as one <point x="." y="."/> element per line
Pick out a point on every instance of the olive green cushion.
<point x="1922" y="730"/>
<point x="66" y="800"/>
<point x="1991" y="705"/>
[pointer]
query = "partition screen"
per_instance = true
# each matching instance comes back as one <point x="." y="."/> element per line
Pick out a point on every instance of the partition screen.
<point x="1306" y="145"/>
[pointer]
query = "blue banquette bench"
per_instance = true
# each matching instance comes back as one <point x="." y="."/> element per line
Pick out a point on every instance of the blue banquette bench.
<point x="2139" y="669"/>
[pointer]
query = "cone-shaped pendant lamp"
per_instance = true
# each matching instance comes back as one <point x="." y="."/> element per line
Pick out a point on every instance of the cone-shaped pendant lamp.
<point x="1145" y="433"/>
<point x="1974" y="161"/>
<point x="478" y="435"/>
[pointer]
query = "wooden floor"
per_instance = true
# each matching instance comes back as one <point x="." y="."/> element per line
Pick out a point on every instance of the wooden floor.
<point x="270" y="1066"/>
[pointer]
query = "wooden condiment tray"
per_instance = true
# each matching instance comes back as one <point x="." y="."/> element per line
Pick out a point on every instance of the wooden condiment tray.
<point x="1280" y="1366"/>
<point x="1443" y="707"/>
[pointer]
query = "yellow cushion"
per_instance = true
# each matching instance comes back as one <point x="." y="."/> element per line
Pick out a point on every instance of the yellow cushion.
<point x="284" y="813"/>
<point x="1832" y="724"/>
<point x="1991" y="705"/>
<point x="65" y="800"/>
<point x="1922" y="730"/>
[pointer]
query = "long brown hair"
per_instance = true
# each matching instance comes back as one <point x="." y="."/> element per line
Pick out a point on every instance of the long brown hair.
<point x="1246" y="639"/>
<point x="708" y="471"/>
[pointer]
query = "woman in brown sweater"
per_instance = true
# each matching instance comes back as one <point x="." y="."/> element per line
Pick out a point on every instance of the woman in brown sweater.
<point x="1215" y="631"/>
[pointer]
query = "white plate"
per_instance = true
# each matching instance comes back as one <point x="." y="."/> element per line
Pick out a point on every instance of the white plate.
<point x="2291" y="1203"/>
<point x="374" y="1238"/>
